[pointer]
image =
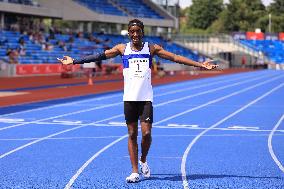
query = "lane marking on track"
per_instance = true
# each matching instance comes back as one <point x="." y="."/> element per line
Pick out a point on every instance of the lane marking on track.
<point x="154" y="136"/>
<point x="115" y="123"/>
<point x="120" y="115"/>
<point x="169" y="126"/>
<point x="270" y="144"/>
<point x="182" y="125"/>
<point x="67" y="122"/>
<point x="60" y="105"/>
<point x="11" y="120"/>
<point x="237" y="127"/>
<point x="185" y="155"/>
<point x="161" y="104"/>
<point x="81" y="169"/>
<point x="49" y="136"/>
<point x="62" y="115"/>
<point x="120" y="94"/>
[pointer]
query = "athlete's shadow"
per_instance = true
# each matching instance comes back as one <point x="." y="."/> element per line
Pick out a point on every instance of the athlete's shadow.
<point x="177" y="177"/>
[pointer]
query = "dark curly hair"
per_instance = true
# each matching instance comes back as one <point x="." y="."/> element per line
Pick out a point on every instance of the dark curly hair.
<point x="136" y="22"/>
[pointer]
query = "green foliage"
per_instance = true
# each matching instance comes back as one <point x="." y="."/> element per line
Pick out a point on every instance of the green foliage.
<point x="203" y="13"/>
<point x="242" y="15"/>
<point x="277" y="7"/>
<point x="237" y="15"/>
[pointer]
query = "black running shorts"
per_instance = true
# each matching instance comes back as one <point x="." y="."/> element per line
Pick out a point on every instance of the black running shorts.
<point x="134" y="110"/>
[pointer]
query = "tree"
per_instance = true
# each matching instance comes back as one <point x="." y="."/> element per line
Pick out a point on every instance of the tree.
<point x="277" y="7"/>
<point x="242" y="15"/>
<point x="203" y="13"/>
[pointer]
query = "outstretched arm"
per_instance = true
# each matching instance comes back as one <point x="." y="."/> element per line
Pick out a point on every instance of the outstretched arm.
<point x="159" y="51"/>
<point x="115" y="51"/>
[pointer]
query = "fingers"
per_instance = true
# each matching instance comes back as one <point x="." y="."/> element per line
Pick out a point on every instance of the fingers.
<point x="215" y="66"/>
<point x="60" y="59"/>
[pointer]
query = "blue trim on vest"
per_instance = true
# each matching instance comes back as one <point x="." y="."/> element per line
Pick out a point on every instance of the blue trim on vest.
<point x="125" y="59"/>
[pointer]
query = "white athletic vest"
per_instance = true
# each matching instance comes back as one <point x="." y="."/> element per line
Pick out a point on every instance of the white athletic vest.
<point x="137" y="74"/>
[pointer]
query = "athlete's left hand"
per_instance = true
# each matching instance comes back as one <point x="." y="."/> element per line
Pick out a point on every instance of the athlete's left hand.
<point x="207" y="65"/>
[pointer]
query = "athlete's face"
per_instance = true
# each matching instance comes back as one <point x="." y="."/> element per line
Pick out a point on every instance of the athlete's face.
<point x="136" y="34"/>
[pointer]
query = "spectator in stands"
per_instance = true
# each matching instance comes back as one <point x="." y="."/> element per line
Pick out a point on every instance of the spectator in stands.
<point x="41" y="26"/>
<point x="138" y="94"/>
<point x="51" y="31"/>
<point x="22" y="47"/>
<point x="13" y="56"/>
<point x="62" y="45"/>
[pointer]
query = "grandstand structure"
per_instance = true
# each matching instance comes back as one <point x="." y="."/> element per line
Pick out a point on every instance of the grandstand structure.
<point x="257" y="52"/>
<point x="94" y="26"/>
<point x="88" y="26"/>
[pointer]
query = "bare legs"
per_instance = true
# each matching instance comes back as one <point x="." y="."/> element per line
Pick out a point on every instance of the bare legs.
<point x="146" y="140"/>
<point x="133" y="146"/>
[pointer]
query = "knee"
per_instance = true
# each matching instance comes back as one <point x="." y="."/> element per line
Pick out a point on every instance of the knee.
<point x="146" y="135"/>
<point x="132" y="135"/>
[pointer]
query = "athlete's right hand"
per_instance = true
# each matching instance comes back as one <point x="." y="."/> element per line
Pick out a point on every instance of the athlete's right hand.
<point x="66" y="60"/>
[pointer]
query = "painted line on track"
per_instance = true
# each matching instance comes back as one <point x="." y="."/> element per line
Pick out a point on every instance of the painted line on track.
<point x="185" y="155"/>
<point x="49" y="136"/>
<point x="116" y="95"/>
<point x="166" y="136"/>
<point x="72" y="180"/>
<point x="270" y="144"/>
<point x="161" y="104"/>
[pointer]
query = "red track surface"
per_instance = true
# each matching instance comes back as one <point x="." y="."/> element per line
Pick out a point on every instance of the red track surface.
<point x="72" y="91"/>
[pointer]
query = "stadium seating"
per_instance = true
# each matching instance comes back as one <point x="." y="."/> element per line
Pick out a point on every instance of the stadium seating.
<point x="136" y="8"/>
<point x="23" y="2"/>
<point x="103" y="8"/>
<point x="273" y="49"/>
<point x="35" y="53"/>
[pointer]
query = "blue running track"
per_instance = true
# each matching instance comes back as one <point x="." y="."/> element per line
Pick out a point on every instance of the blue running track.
<point x="221" y="132"/>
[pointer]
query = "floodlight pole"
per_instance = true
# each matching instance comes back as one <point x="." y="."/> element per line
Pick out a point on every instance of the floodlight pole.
<point x="269" y="23"/>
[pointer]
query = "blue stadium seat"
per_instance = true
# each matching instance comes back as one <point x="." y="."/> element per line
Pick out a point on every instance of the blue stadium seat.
<point x="138" y="8"/>
<point x="81" y="47"/>
<point x="103" y="8"/>
<point x="273" y="49"/>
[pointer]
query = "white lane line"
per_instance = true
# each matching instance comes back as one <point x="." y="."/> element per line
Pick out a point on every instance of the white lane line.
<point x="81" y="169"/>
<point x="11" y="120"/>
<point x="52" y="135"/>
<point x="72" y="180"/>
<point x="270" y="144"/>
<point x="67" y="122"/>
<point x="59" y="138"/>
<point x="62" y="115"/>
<point x="169" y="126"/>
<point x="218" y="99"/>
<point x="183" y="125"/>
<point x="160" y="157"/>
<point x="161" y="104"/>
<point x="183" y="171"/>
<point x="214" y="80"/>
<point x="62" y="104"/>
<point x="166" y="136"/>
<point x="96" y="99"/>
<point x="120" y="94"/>
<point x="207" y="84"/>
<point x="238" y="127"/>
<point x="210" y="91"/>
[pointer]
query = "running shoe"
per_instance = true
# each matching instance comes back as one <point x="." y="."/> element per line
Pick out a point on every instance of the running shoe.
<point x="134" y="177"/>
<point x="145" y="169"/>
